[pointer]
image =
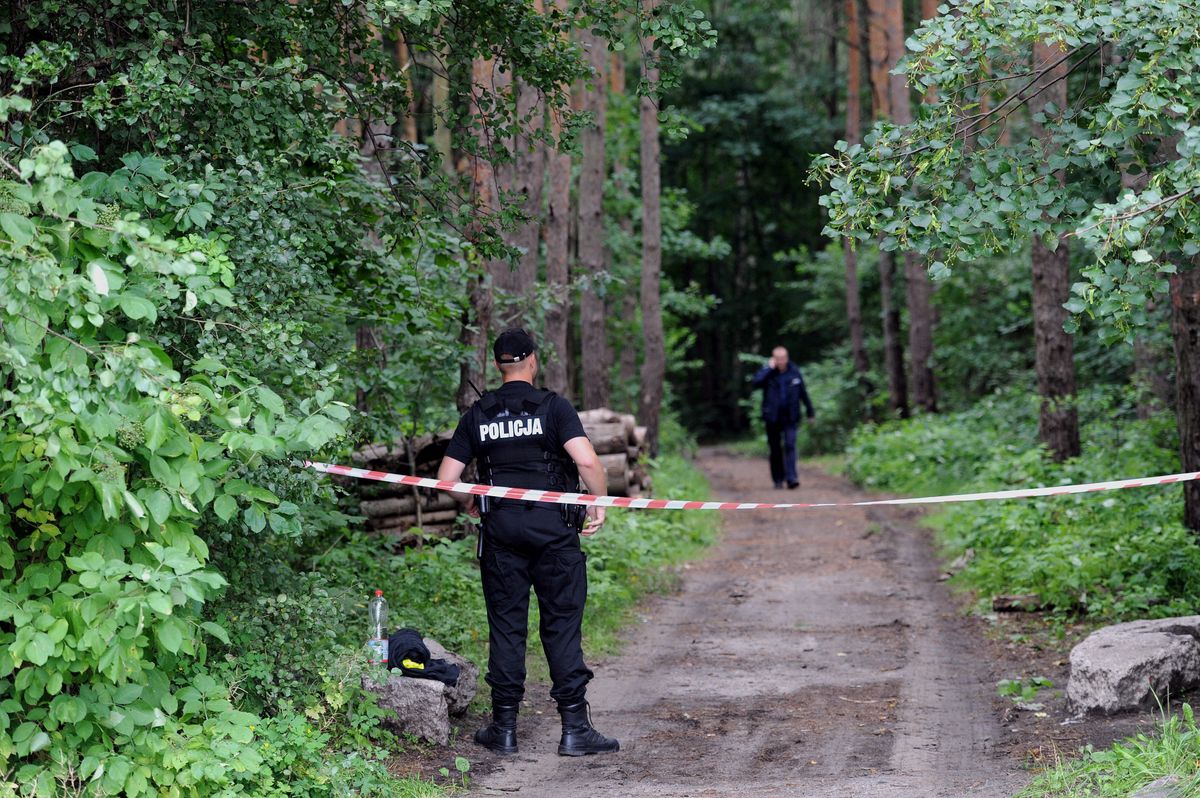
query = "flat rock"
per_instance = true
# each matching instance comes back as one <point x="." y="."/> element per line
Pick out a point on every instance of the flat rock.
<point x="1166" y="787"/>
<point x="1123" y="667"/>
<point x="459" y="696"/>
<point x="418" y="706"/>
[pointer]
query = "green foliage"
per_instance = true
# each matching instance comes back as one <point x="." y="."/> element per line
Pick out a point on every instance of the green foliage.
<point x="949" y="183"/>
<point x="983" y="341"/>
<point x="112" y="455"/>
<point x="1129" y="765"/>
<point x="1113" y="555"/>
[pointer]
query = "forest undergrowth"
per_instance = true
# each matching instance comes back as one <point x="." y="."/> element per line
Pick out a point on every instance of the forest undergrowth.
<point x="1107" y="556"/>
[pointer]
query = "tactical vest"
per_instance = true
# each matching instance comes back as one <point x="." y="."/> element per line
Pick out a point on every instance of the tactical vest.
<point x="513" y="445"/>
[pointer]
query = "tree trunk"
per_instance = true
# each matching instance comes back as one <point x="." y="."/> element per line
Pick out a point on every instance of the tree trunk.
<point x="882" y="97"/>
<point x="918" y="289"/>
<point x="893" y="346"/>
<point x="627" y="365"/>
<point x="1185" y="327"/>
<point x="1058" y="425"/>
<point x="594" y="339"/>
<point x="878" y="58"/>
<point x="831" y="93"/>
<point x="557" y="233"/>
<point x="529" y="177"/>
<point x="408" y="115"/>
<point x="1054" y="356"/>
<point x="442" y="143"/>
<point x="375" y="139"/>
<point x="477" y="317"/>
<point x="858" y="347"/>
<point x="505" y="276"/>
<point x="899" y="98"/>
<point x="654" y="356"/>
<point x="919" y="292"/>
<point x="854" y="59"/>
<point x="1150" y="372"/>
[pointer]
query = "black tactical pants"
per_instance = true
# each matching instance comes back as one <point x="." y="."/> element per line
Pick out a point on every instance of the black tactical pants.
<point x="526" y="546"/>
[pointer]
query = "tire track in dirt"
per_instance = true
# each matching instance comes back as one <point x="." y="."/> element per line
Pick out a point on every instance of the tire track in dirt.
<point x="812" y="653"/>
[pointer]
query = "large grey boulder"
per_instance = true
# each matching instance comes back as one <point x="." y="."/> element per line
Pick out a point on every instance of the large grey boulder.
<point x="422" y="707"/>
<point x="418" y="706"/>
<point x="1123" y="667"/>
<point x="458" y="696"/>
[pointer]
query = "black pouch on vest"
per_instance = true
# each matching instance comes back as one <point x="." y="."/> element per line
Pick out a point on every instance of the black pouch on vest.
<point x="573" y="515"/>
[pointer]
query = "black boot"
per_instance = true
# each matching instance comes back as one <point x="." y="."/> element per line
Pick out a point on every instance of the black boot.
<point x="501" y="734"/>
<point x="578" y="736"/>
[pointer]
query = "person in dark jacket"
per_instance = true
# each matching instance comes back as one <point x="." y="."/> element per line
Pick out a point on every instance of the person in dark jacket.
<point x="783" y="391"/>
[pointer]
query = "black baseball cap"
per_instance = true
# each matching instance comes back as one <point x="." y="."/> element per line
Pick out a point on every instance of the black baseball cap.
<point x="513" y="345"/>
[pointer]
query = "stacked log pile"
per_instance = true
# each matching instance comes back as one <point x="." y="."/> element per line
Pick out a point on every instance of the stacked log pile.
<point x="620" y="442"/>
<point x="402" y="513"/>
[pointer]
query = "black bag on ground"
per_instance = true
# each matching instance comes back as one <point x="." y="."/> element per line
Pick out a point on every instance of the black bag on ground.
<point x="407" y="645"/>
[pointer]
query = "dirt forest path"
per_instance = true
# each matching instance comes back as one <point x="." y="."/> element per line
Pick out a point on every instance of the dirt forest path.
<point x="812" y="653"/>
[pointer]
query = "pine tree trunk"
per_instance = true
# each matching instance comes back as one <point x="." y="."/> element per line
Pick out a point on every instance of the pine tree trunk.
<point x="375" y="135"/>
<point x="594" y="340"/>
<point x="899" y="98"/>
<point x="858" y="346"/>
<point x="1054" y="357"/>
<point x="529" y="172"/>
<point x="893" y="346"/>
<point x="408" y="115"/>
<point x="477" y="317"/>
<point x="557" y="233"/>
<point x="1149" y="375"/>
<point x="878" y="58"/>
<point x="654" y="356"/>
<point x="442" y="142"/>
<point x="831" y="93"/>
<point x="882" y="97"/>
<point x="919" y="293"/>
<point x="627" y="357"/>
<point x="505" y="276"/>
<point x="918" y="289"/>
<point x="1150" y="372"/>
<point x="1185" y="327"/>
<point x="529" y="177"/>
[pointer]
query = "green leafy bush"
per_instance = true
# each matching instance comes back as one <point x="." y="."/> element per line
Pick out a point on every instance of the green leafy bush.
<point x="1120" y="554"/>
<point x="111" y="455"/>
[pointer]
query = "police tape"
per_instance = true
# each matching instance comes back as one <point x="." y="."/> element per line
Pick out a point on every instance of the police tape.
<point x="555" y="497"/>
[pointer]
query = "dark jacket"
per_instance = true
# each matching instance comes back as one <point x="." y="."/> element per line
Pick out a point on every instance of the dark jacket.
<point x="783" y="391"/>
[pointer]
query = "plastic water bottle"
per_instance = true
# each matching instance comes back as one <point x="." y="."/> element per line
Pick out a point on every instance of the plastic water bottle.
<point x="377" y="646"/>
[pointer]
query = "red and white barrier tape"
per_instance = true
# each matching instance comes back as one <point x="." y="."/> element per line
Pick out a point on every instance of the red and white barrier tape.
<point x="555" y="497"/>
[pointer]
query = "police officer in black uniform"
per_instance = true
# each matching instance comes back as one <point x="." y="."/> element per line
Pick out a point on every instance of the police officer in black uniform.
<point x="523" y="437"/>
